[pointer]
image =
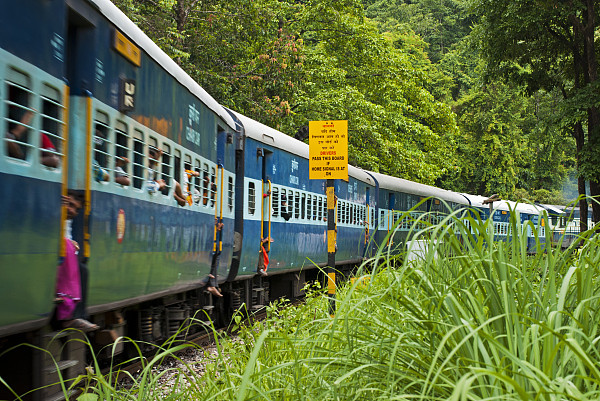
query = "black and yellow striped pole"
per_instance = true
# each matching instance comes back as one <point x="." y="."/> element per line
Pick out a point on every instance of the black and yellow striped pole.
<point x="331" y="241"/>
<point x="328" y="152"/>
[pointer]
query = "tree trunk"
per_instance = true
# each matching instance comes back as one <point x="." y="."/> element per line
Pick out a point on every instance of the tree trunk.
<point x="591" y="76"/>
<point x="583" y="205"/>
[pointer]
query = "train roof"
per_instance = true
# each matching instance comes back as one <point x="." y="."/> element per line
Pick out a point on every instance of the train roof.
<point x="554" y="209"/>
<point x="126" y="26"/>
<point x="265" y="134"/>
<point x="411" y="187"/>
<point x="477" y="201"/>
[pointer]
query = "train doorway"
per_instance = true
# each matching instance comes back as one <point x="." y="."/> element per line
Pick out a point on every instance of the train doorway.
<point x="266" y="212"/>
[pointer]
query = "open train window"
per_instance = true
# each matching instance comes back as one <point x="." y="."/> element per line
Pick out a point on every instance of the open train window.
<point x="308" y="206"/>
<point x="166" y="168"/>
<point x="101" y="141"/>
<point x="251" y="198"/>
<point x="138" y="159"/>
<point x="275" y="201"/>
<point x="153" y="164"/>
<point x="290" y="202"/>
<point x="177" y="169"/>
<point x="19" y="114"/>
<point x="320" y="209"/>
<point x="315" y="207"/>
<point x="205" y="184"/>
<point x="296" y="205"/>
<point x="382" y="219"/>
<point x="122" y="154"/>
<point x="213" y="187"/>
<point x="52" y="127"/>
<point x="303" y="206"/>
<point x="230" y="193"/>
<point x="197" y="181"/>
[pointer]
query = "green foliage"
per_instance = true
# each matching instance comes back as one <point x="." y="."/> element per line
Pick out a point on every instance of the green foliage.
<point x="473" y="319"/>
<point x="285" y="63"/>
<point x="550" y="46"/>
<point x="398" y="77"/>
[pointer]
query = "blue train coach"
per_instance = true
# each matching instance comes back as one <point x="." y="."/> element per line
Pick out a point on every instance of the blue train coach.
<point x="92" y="109"/>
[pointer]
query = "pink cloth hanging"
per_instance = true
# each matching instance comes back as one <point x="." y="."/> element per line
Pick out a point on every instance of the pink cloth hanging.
<point x="68" y="283"/>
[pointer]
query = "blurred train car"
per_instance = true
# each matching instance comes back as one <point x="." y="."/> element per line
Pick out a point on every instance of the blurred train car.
<point x="85" y="97"/>
<point x="529" y="219"/>
<point x="401" y="203"/>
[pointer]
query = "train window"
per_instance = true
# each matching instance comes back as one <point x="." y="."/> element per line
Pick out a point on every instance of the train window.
<point x="297" y="205"/>
<point x="19" y="115"/>
<point x="197" y="181"/>
<point x="290" y="202"/>
<point x="166" y="168"/>
<point x="348" y="213"/>
<point x="320" y="208"/>
<point x="189" y="191"/>
<point x="52" y="127"/>
<point x="315" y="209"/>
<point x="308" y="206"/>
<point x="230" y="193"/>
<point x="303" y="206"/>
<point x="382" y="219"/>
<point x="101" y="147"/>
<point x="138" y="159"/>
<point x="275" y="201"/>
<point x="205" y="184"/>
<point x="153" y="164"/>
<point x="213" y="186"/>
<point x="122" y="154"/>
<point x="285" y="205"/>
<point x="251" y="198"/>
<point x="339" y="211"/>
<point x="177" y="169"/>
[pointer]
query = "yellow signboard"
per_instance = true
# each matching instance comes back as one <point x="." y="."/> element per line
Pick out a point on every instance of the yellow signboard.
<point x="127" y="49"/>
<point x="328" y="144"/>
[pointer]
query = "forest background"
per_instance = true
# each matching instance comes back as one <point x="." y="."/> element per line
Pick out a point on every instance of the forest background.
<point x="476" y="96"/>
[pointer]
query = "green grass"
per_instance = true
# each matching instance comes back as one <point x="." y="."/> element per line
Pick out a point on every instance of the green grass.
<point x="471" y="319"/>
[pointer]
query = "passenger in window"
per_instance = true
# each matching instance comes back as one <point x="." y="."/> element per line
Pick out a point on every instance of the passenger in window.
<point x="48" y="159"/>
<point x="154" y="184"/>
<point x="187" y="183"/>
<point x="16" y="133"/>
<point x="121" y="176"/>
<point x="178" y="194"/>
<point x="285" y="213"/>
<point x="208" y="186"/>
<point x="99" y="162"/>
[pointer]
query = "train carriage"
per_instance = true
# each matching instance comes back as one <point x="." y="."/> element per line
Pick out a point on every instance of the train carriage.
<point x="86" y="102"/>
<point x="402" y="202"/>
<point x="283" y="205"/>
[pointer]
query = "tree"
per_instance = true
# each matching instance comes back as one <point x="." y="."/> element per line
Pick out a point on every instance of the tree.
<point x="551" y="45"/>
<point x="285" y="63"/>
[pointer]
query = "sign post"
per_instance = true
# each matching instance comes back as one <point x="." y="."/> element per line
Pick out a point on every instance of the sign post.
<point x="328" y="143"/>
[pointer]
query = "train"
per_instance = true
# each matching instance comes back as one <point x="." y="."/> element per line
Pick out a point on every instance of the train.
<point x="176" y="192"/>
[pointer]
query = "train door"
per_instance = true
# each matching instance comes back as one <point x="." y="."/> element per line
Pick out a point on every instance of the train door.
<point x="79" y="61"/>
<point x="218" y="185"/>
<point x="266" y="212"/>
